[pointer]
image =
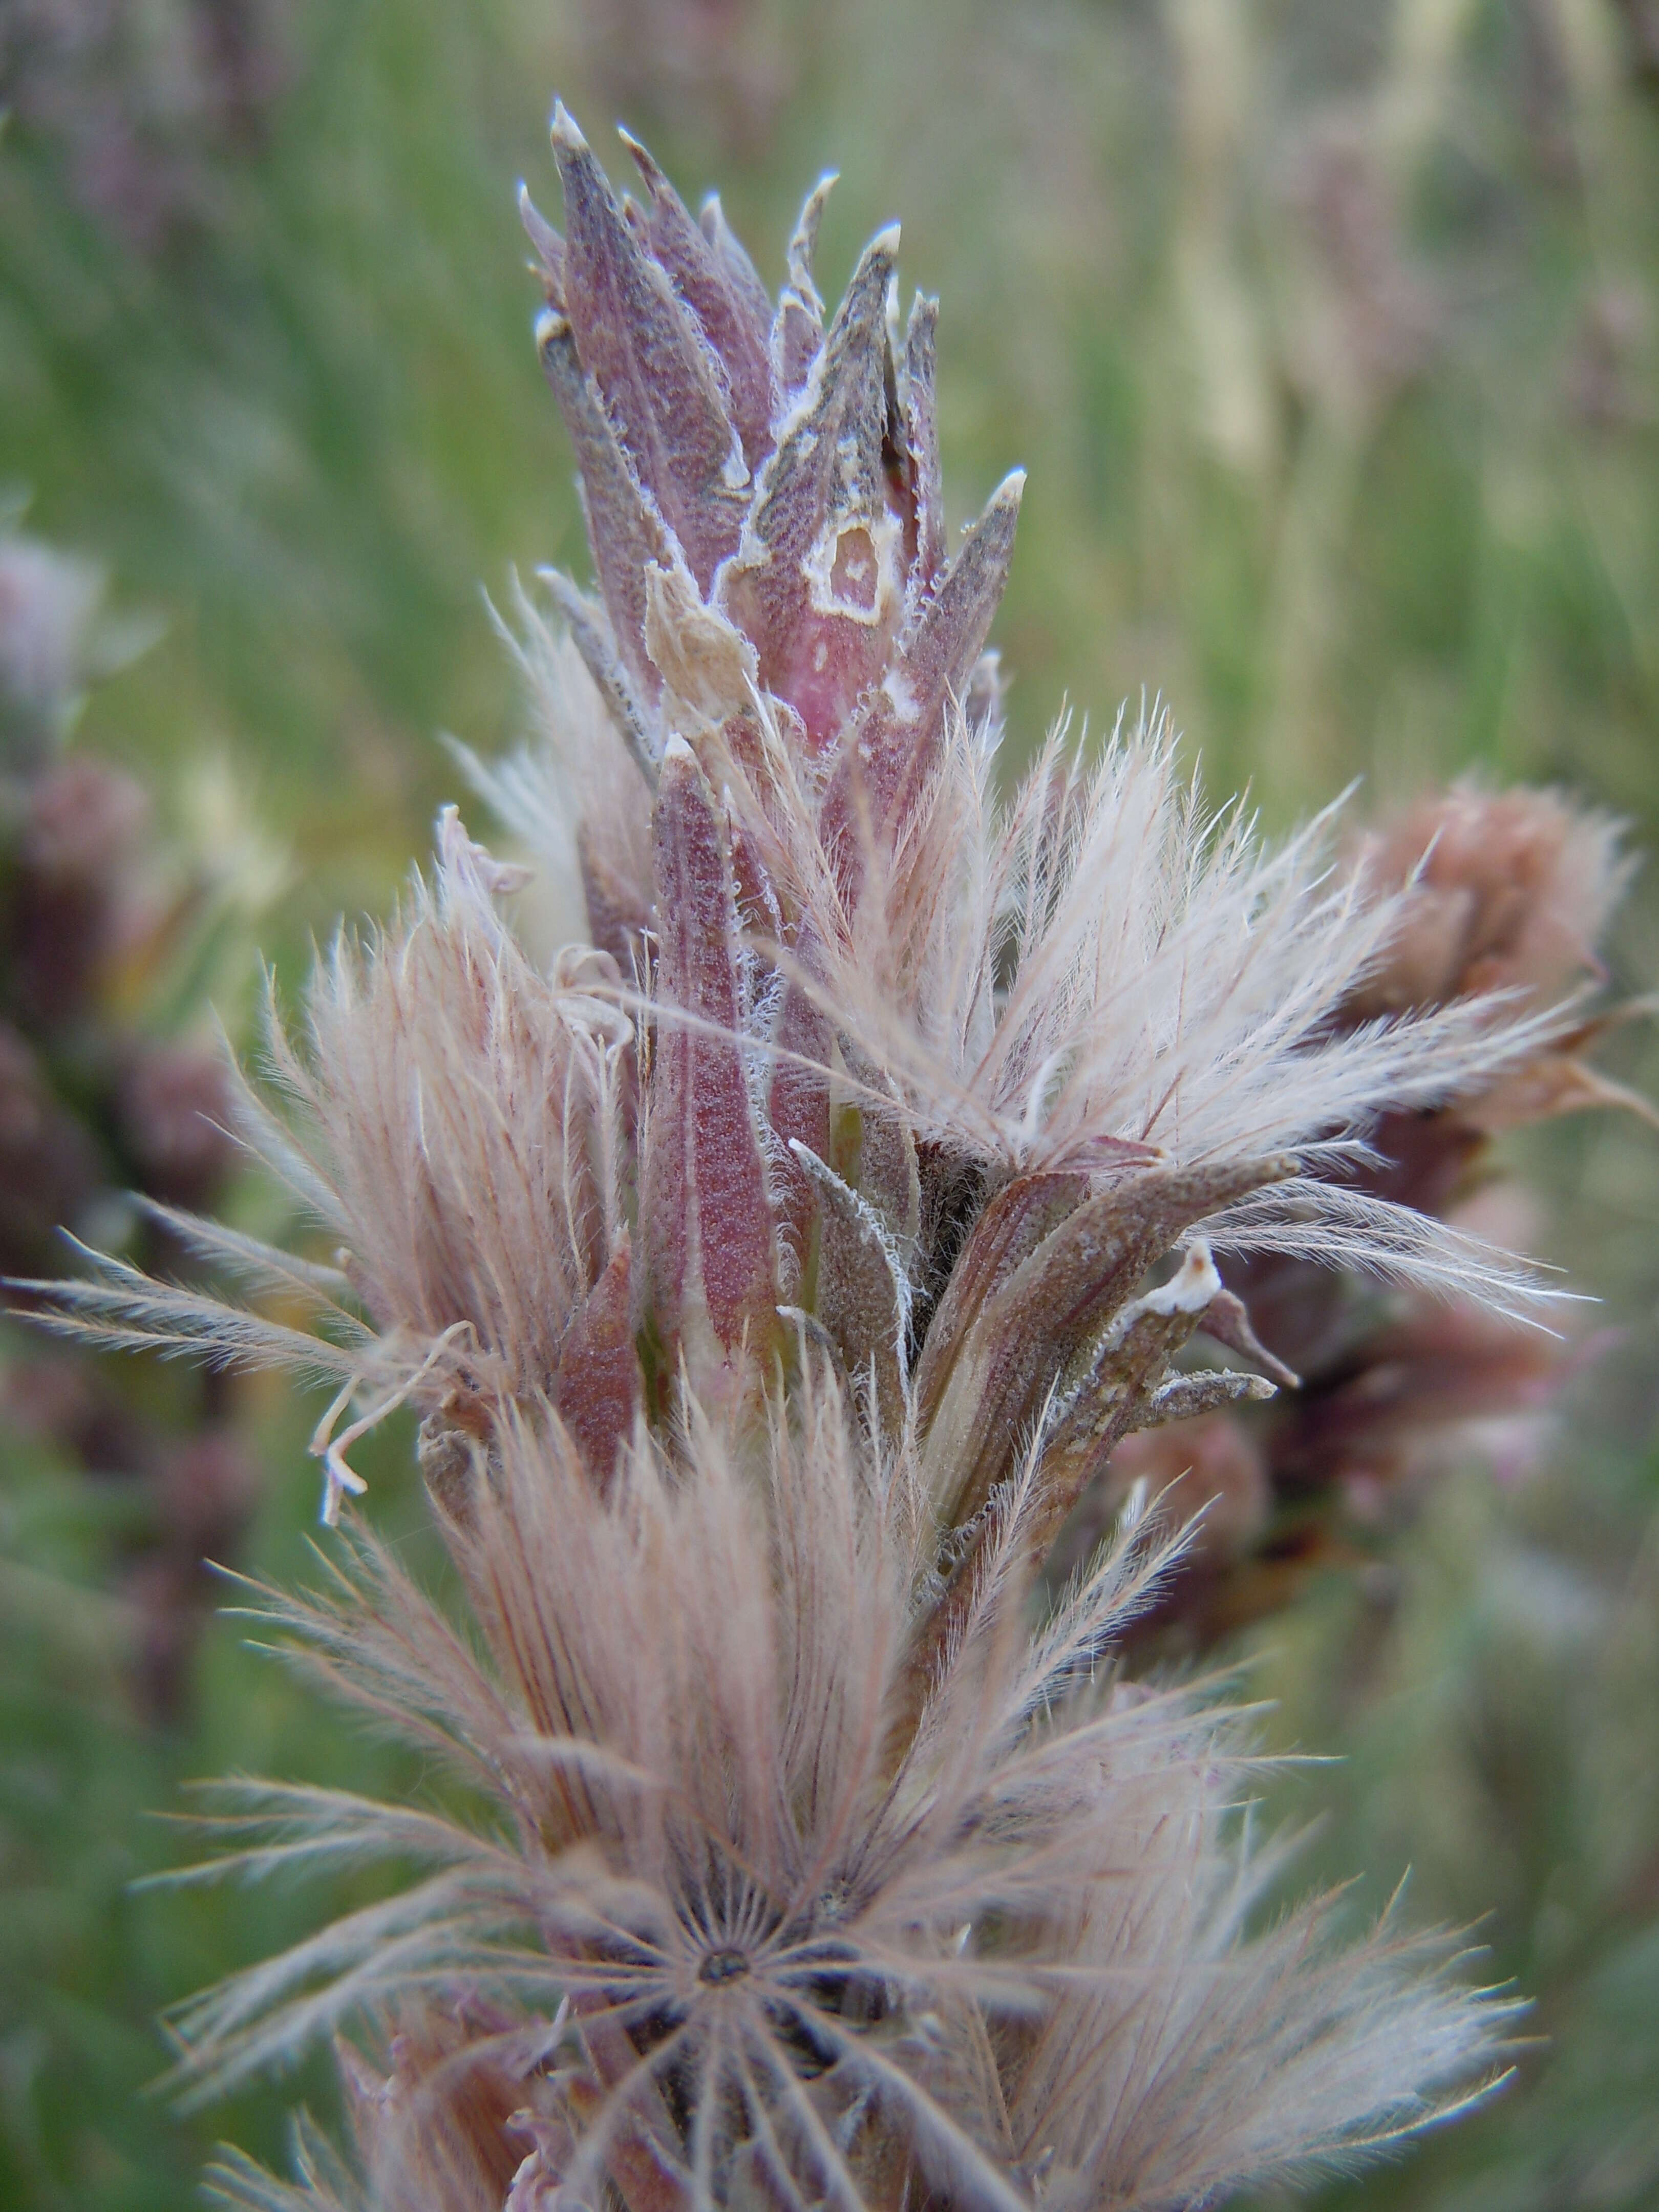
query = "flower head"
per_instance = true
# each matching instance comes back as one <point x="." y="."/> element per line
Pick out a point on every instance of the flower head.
<point x="753" y="1918"/>
<point x="774" y="1276"/>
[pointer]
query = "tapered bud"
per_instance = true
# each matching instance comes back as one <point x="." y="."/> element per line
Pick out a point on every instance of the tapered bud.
<point x="781" y="483"/>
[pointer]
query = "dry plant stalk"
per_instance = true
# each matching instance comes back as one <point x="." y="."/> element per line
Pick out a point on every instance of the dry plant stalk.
<point x="771" y="1278"/>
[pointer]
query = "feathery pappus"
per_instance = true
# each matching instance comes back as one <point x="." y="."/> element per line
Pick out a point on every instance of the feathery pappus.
<point x="1507" y="895"/>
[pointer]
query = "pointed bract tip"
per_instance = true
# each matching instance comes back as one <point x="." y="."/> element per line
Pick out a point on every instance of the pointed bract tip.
<point x="566" y="137"/>
<point x="549" y="246"/>
<point x="873" y="272"/>
<point x="677" y="750"/>
<point x="650" y="170"/>
<point x="811" y="213"/>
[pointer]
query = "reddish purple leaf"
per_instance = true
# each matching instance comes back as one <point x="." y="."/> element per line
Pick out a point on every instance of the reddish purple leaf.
<point x="708" y="282"/>
<point x="706" y="1212"/>
<point x="652" y="365"/>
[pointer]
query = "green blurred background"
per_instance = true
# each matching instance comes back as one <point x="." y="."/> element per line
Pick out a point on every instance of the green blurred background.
<point x="1328" y="331"/>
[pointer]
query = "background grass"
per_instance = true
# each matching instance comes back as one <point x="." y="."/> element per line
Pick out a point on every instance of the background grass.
<point x="1328" y="331"/>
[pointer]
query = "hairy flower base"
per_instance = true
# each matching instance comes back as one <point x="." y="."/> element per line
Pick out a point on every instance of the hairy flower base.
<point x="773" y="1277"/>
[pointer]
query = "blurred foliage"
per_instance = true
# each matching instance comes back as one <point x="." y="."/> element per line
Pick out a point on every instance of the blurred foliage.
<point x="1328" y="330"/>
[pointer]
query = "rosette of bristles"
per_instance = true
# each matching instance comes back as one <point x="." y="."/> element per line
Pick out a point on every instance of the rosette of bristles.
<point x="772" y="1275"/>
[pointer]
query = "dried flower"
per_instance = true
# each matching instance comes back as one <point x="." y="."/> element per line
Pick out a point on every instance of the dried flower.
<point x="772" y="1277"/>
<point x="89" y="1101"/>
<point x="142" y="101"/>
<point x="1372" y="321"/>
<point x="1505" y="896"/>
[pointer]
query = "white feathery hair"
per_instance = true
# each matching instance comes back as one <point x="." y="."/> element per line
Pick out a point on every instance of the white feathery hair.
<point x="1170" y="980"/>
<point x="731" y="1914"/>
<point x="1104" y="969"/>
<point x="452" y="1124"/>
<point x="576" y="794"/>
